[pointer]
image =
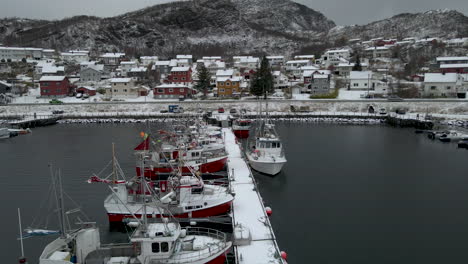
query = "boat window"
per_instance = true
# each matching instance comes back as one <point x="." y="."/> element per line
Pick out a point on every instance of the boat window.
<point x="155" y="247"/>
<point x="164" y="247"/>
<point x="196" y="189"/>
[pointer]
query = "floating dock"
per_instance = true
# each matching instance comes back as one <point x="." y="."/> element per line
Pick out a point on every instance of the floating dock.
<point x="254" y="239"/>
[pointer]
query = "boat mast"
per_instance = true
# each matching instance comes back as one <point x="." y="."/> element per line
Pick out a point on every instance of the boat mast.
<point x="114" y="177"/>
<point x="143" y="190"/>
<point x="22" y="259"/>
<point x="62" y="207"/>
<point x="57" y="201"/>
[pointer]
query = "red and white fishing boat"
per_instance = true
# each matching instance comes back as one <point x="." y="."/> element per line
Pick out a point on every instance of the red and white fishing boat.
<point x="241" y="128"/>
<point x="208" y="158"/>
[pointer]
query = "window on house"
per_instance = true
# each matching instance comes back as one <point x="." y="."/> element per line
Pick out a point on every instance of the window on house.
<point x="449" y="87"/>
<point x="228" y="84"/>
<point x="433" y="87"/>
<point x="115" y="84"/>
<point x="45" y="84"/>
<point x="171" y="90"/>
<point x="125" y="90"/>
<point x="155" y="247"/>
<point x="355" y="84"/>
<point x="221" y="83"/>
<point x="164" y="247"/>
<point x="175" y="78"/>
<point x="183" y="78"/>
<point x="221" y="90"/>
<point x="115" y="90"/>
<point x="182" y="90"/>
<point x="160" y="90"/>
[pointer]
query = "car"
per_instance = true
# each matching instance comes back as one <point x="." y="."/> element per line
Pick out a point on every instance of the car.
<point x="221" y="110"/>
<point x="163" y="111"/>
<point x="400" y="111"/>
<point x="233" y="111"/>
<point x="57" y="112"/>
<point x="55" y="101"/>
<point x="383" y="111"/>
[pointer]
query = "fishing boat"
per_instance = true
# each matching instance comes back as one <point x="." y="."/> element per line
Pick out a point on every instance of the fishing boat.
<point x="162" y="241"/>
<point x="452" y="136"/>
<point x="267" y="154"/>
<point x="4" y="133"/>
<point x="241" y="128"/>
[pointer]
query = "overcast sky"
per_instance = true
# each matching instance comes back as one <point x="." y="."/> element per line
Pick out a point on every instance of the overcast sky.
<point x="343" y="12"/>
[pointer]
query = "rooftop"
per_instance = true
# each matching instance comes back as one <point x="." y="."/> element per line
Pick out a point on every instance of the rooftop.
<point x="440" y="78"/>
<point x="52" y="78"/>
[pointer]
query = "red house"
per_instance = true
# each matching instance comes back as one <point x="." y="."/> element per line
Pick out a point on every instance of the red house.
<point x="180" y="75"/>
<point x="91" y="91"/>
<point x="54" y="86"/>
<point x="173" y="91"/>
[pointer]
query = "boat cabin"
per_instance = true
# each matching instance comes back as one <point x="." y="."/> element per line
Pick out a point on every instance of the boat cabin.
<point x="158" y="241"/>
<point x="266" y="143"/>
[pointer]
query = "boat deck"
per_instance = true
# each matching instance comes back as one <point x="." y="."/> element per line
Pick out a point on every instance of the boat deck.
<point x="248" y="209"/>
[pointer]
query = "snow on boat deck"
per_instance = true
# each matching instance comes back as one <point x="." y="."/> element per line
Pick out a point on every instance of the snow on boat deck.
<point x="248" y="209"/>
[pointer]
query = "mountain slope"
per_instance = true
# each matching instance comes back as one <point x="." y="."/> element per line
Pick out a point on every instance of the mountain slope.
<point x="200" y="26"/>
<point x="437" y="23"/>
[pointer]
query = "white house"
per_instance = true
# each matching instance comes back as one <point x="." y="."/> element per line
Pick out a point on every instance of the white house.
<point x="147" y="60"/>
<point x="246" y="62"/>
<point x="294" y="67"/>
<point x="77" y="56"/>
<point x="19" y="53"/>
<point x="275" y="60"/>
<point x="126" y="88"/>
<point x="126" y="66"/>
<point x="360" y="80"/>
<point x="305" y="57"/>
<point x="189" y="58"/>
<point x="442" y="85"/>
<point x="378" y="52"/>
<point x="112" y="59"/>
<point x="334" y="57"/>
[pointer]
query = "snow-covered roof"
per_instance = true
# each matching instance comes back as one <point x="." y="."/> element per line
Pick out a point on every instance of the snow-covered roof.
<point x="184" y="56"/>
<point x="228" y="72"/>
<point x="120" y="80"/>
<point x="233" y="79"/>
<point x="169" y="85"/>
<point x="162" y="63"/>
<point x="275" y="57"/>
<point x="87" y="63"/>
<point x="452" y="58"/>
<point x="440" y="78"/>
<point x="276" y="73"/>
<point x="138" y="69"/>
<point x="180" y="69"/>
<point x="112" y="55"/>
<point x="450" y="66"/>
<point x="211" y="58"/>
<point x="52" y="78"/>
<point x="88" y="88"/>
<point x="298" y="62"/>
<point x="97" y="67"/>
<point x="321" y="76"/>
<point x="360" y="75"/>
<point x="304" y="57"/>
<point x="149" y="57"/>
<point x="5" y="84"/>
<point x="48" y="68"/>
<point x="377" y="48"/>
<point x="309" y="68"/>
<point x="338" y="51"/>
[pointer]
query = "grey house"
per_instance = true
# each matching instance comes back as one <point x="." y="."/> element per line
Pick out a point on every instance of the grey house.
<point x="319" y="84"/>
<point x="90" y="75"/>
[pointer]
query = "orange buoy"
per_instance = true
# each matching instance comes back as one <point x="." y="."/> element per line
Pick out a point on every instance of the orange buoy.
<point x="268" y="211"/>
<point x="284" y="255"/>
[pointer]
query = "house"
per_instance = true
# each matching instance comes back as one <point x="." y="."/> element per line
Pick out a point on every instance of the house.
<point x="173" y="91"/>
<point x="279" y="80"/>
<point x="457" y="42"/>
<point x="89" y="90"/>
<point x="225" y="73"/>
<point x="112" y="59"/>
<point x="344" y="69"/>
<point x="19" y="53"/>
<point x="48" y="53"/>
<point x="126" y="66"/>
<point x="293" y="67"/>
<point x="319" y="84"/>
<point x="360" y="80"/>
<point x="54" y="86"/>
<point x="5" y="87"/>
<point x="188" y="58"/>
<point x="214" y="66"/>
<point x="180" y="75"/>
<point x="246" y="62"/>
<point x="162" y="67"/>
<point x="456" y="68"/>
<point x="92" y="73"/>
<point x="228" y="87"/>
<point x="138" y="73"/>
<point x="275" y="60"/>
<point x="51" y="70"/>
<point x="305" y="57"/>
<point x="147" y="60"/>
<point x="334" y="57"/>
<point x="378" y="52"/>
<point x="125" y="87"/>
<point x="76" y="56"/>
<point x="442" y="85"/>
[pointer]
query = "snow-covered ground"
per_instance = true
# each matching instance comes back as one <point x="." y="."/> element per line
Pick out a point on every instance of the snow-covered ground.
<point x="344" y="94"/>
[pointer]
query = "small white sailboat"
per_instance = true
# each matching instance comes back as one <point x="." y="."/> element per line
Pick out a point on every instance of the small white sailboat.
<point x="267" y="155"/>
<point x="4" y="133"/>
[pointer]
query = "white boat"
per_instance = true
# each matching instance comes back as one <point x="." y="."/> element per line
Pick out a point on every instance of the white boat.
<point x="452" y="136"/>
<point x="4" y="133"/>
<point x="267" y="155"/>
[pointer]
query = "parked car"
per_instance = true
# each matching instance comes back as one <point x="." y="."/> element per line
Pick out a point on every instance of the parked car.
<point x="164" y="111"/>
<point x="400" y="111"/>
<point x="55" y="101"/>
<point x="57" y="112"/>
<point x="221" y="110"/>
<point x="233" y="111"/>
<point x="383" y="111"/>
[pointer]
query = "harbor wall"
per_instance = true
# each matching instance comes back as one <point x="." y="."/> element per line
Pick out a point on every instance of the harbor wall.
<point x="440" y="107"/>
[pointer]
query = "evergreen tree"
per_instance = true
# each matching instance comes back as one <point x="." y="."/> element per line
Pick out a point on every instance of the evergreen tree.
<point x="262" y="81"/>
<point x="204" y="78"/>
<point x="357" y="66"/>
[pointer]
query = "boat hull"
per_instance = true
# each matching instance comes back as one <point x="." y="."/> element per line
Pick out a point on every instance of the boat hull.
<point x="266" y="167"/>
<point x="209" y="167"/>
<point x="241" y="133"/>
<point x="218" y="210"/>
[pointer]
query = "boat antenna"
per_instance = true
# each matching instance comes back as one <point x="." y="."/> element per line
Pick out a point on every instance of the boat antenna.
<point x="22" y="259"/>
<point x="143" y="190"/>
<point x="114" y="176"/>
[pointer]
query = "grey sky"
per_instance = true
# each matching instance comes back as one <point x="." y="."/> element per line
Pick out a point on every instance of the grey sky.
<point x="343" y="12"/>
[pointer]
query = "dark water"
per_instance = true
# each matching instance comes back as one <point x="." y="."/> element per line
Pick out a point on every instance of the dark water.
<point x="348" y="194"/>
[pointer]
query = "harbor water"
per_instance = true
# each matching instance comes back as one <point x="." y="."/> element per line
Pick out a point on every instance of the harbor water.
<point x="348" y="194"/>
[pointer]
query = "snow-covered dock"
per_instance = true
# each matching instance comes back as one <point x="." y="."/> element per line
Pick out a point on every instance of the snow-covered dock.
<point x="254" y="239"/>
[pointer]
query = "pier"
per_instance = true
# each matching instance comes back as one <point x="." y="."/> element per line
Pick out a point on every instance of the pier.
<point x="254" y="239"/>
